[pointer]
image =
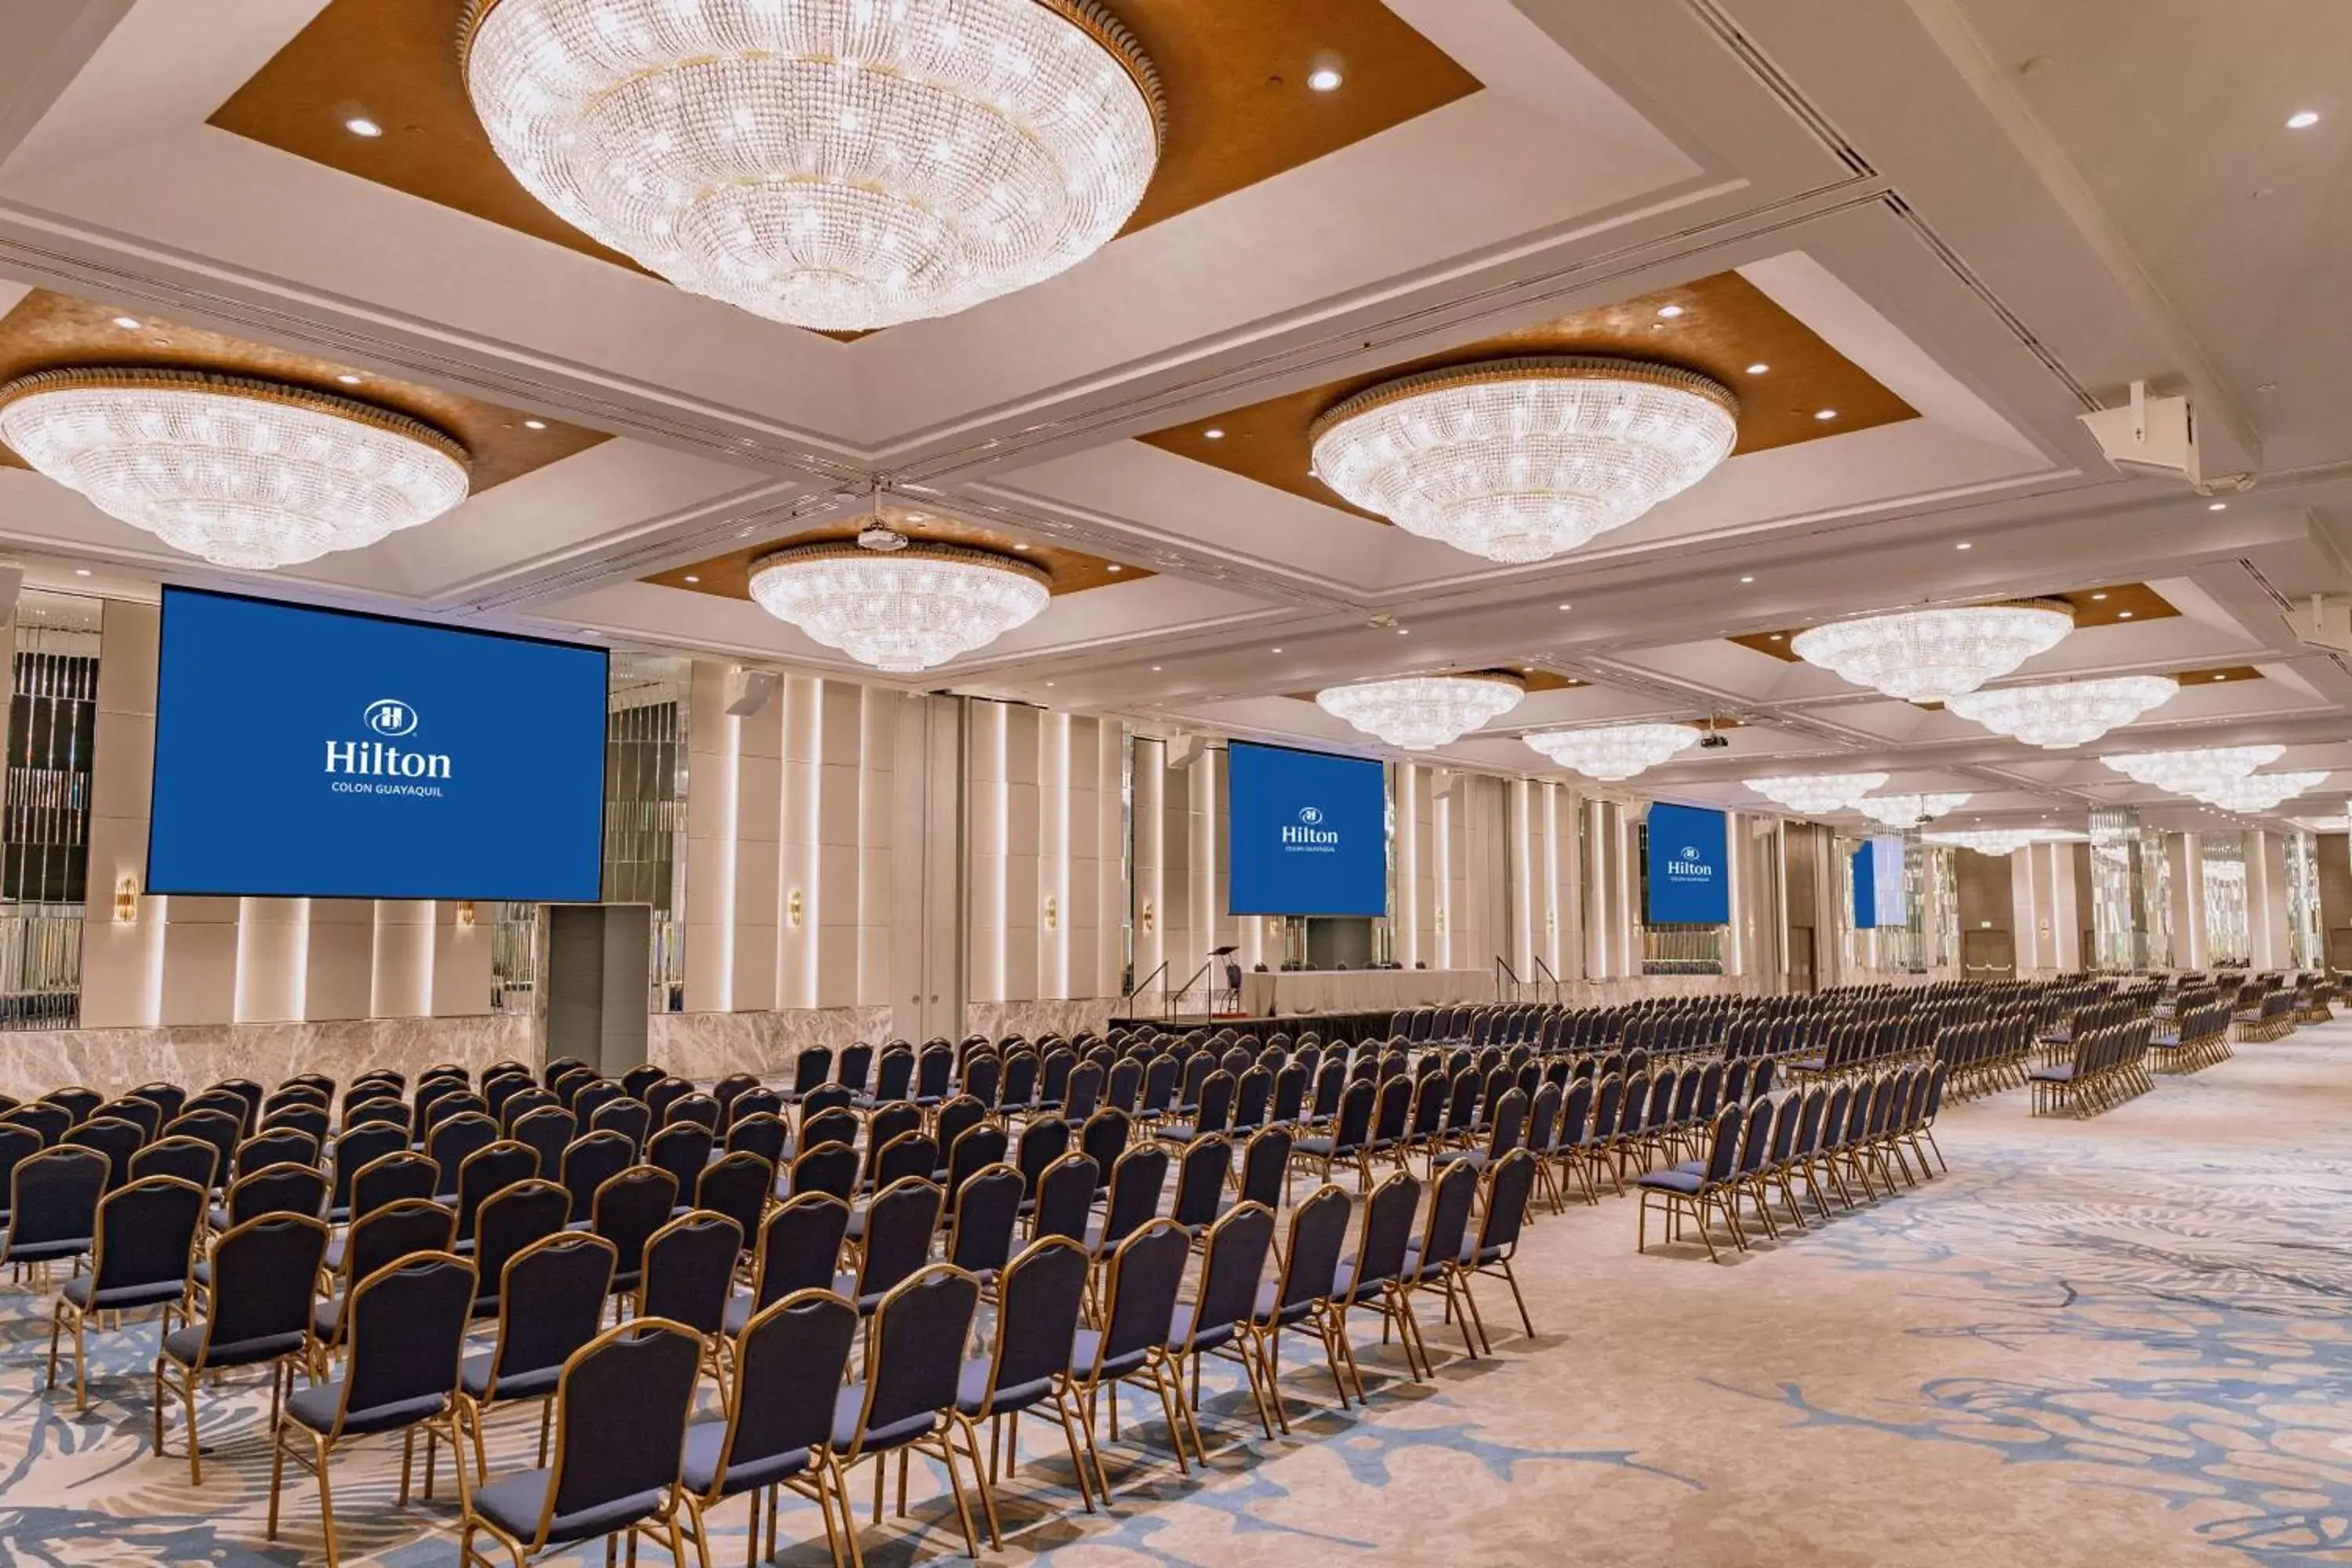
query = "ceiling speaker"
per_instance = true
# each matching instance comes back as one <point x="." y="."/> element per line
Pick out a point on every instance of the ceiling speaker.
<point x="752" y="689"/>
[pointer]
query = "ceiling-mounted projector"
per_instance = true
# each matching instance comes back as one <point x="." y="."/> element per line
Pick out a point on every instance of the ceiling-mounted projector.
<point x="2157" y="436"/>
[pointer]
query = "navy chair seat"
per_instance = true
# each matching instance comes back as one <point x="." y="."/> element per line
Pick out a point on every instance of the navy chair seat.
<point x="1175" y="1132"/>
<point x="121" y="1297"/>
<point x="1268" y="1292"/>
<point x="515" y="1503"/>
<point x="327" y="1318"/>
<point x="333" y="1262"/>
<point x="706" y="1441"/>
<point x="183" y="1344"/>
<point x="316" y="1407"/>
<point x="47" y="1251"/>
<point x="474" y="1377"/>
<point x="850" y="1404"/>
<point x="1180" y="1331"/>
<point x="972" y="1391"/>
<point x="217" y="1217"/>
<point x="202" y="1273"/>
<point x="1688" y="1183"/>
<point x="738" y="1315"/>
<point x="1810" y="1064"/>
<point x="1087" y="1342"/>
<point x="847" y="1285"/>
<point x="1344" y="1290"/>
<point x="1318" y="1147"/>
<point x="2062" y="1073"/>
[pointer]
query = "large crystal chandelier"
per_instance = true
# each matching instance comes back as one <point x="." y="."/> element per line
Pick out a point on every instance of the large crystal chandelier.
<point x="838" y="165"/>
<point x="1996" y="840"/>
<point x="2196" y="770"/>
<point x="245" y="473"/>
<point x="2061" y="716"/>
<point x="1933" y="656"/>
<point x="902" y="607"/>
<point x="1422" y="712"/>
<point x="1817" y="795"/>
<point x="1522" y="459"/>
<point x="1617" y="752"/>
<point x="1910" y="810"/>
<point x="2259" y="793"/>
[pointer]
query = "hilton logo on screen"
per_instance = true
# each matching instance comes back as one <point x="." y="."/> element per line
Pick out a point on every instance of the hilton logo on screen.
<point x="372" y="767"/>
<point x="1689" y="867"/>
<point x="1307" y="835"/>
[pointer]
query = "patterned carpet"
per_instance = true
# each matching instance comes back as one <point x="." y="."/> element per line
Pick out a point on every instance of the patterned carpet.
<point x="2116" y="1341"/>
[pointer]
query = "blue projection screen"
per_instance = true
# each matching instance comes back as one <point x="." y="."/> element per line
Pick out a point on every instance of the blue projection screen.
<point x="1878" y="898"/>
<point x="1690" y="883"/>
<point x="1309" y="832"/>
<point x="317" y="754"/>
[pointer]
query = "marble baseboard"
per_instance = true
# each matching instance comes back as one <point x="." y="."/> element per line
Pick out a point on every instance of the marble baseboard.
<point x="712" y="1044"/>
<point x="34" y="1061"/>
<point x="1031" y="1019"/>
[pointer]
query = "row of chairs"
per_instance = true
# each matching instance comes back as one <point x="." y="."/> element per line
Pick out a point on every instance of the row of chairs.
<point x="2102" y="1068"/>
<point x="2192" y="1038"/>
<point x="1854" y="1134"/>
<point x="1987" y="1055"/>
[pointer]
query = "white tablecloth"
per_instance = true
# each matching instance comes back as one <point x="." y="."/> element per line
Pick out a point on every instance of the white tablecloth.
<point x="1304" y="993"/>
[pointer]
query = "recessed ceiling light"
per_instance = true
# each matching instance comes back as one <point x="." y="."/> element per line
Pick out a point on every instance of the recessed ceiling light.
<point x="2218" y="676"/>
<point x="1115" y="566"/>
<point x="128" y="323"/>
<point x="1049" y="683"/>
<point x="1275" y="650"/>
<point x="535" y="423"/>
<point x="1824" y="412"/>
<point x="2218" y="506"/>
<point x="2098" y="595"/>
<point x="1670" y="311"/>
<point x="84" y="572"/>
<point x="1324" y="79"/>
<point x="1155" y="669"/>
<point x="2301" y="119"/>
<point x="1563" y="606"/>
<point x="1213" y="434"/>
<point x="1021" y="550"/>
<point x="2123" y="614"/>
<point x="360" y="125"/>
<point x="1747" y="579"/>
<point x="1964" y="544"/>
<point x="1758" y="368"/>
<point x="1779" y="636"/>
<point x="349" y="379"/>
<point x="692" y="578"/>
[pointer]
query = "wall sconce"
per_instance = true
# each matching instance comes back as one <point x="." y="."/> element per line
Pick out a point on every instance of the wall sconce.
<point x="794" y="909"/>
<point x="1274" y="927"/>
<point x="1439" y="920"/>
<point x="464" y="914"/>
<point x="126" y="900"/>
<point x="1053" y="913"/>
<point x="1146" y="917"/>
<point x="1552" y="919"/>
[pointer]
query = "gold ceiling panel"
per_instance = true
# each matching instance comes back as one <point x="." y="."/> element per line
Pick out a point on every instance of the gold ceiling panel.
<point x="2113" y="605"/>
<point x="1726" y="324"/>
<point x="1234" y="73"/>
<point x="49" y="331"/>
<point x="1067" y="571"/>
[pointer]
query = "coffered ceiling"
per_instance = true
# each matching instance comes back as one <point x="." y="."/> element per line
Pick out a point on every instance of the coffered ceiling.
<point x="1955" y="225"/>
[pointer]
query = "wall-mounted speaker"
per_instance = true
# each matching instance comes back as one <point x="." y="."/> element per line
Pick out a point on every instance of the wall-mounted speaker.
<point x="753" y="687"/>
<point x="1185" y="750"/>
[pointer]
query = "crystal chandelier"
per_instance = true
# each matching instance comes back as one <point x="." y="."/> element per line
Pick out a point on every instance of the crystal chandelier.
<point x="2259" y="793"/>
<point x="2061" y="716"/>
<point x="1995" y="840"/>
<point x="1817" y="795"/>
<point x="1618" y="751"/>
<point x="838" y="164"/>
<point x="904" y="607"/>
<point x="1422" y="712"/>
<point x="1933" y="656"/>
<point x="1909" y="810"/>
<point x="1522" y="459"/>
<point x="2193" y="771"/>
<point x="245" y="473"/>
